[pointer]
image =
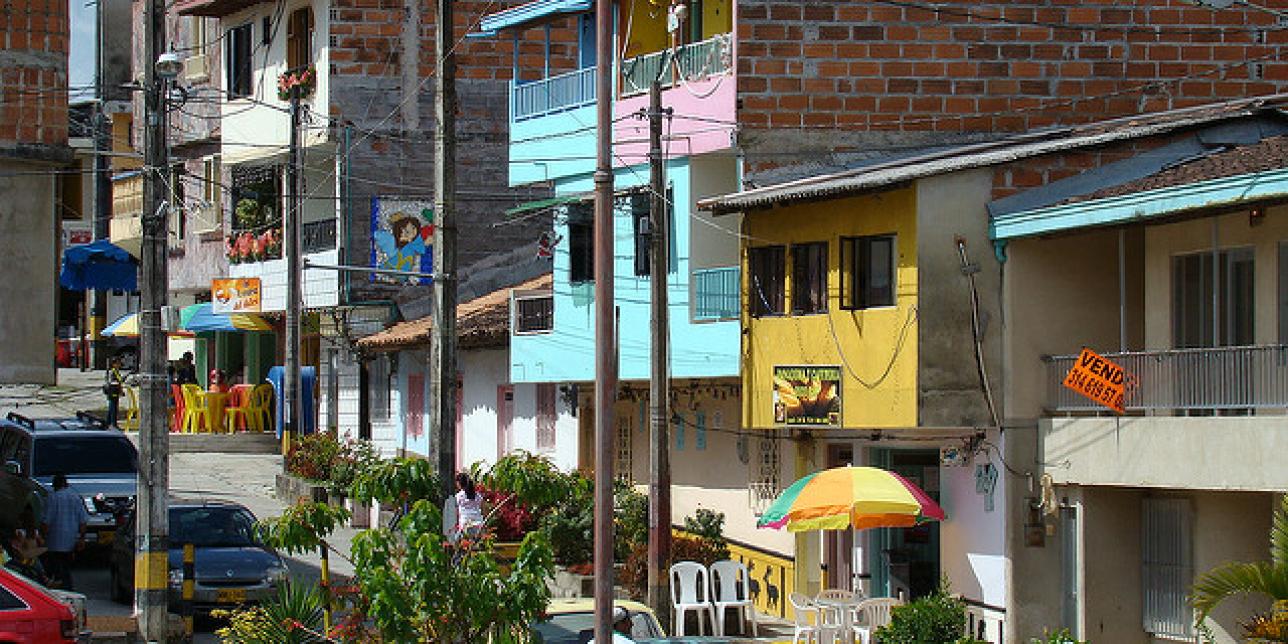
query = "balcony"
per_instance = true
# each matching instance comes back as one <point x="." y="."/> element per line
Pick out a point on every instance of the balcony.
<point x="555" y="94"/>
<point x="214" y="8"/>
<point x="715" y="294"/>
<point x="1227" y="380"/>
<point x="696" y="61"/>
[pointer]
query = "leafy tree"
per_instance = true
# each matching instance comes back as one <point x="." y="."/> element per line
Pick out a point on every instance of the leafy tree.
<point x="1266" y="578"/>
<point x="419" y="587"/>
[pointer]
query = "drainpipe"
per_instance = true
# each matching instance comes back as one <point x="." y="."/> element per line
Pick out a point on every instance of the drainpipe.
<point x="1122" y="289"/>
<point x="346" y="217"/>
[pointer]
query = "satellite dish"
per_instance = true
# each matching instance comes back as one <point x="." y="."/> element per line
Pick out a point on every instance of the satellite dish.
<point x="449" y="517"/>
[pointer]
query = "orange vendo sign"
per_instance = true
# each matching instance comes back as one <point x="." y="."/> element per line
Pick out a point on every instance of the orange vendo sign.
<point x="1098" y="379"/>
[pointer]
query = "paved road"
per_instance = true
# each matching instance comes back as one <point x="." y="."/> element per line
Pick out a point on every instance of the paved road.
<point x="244" y="478"/>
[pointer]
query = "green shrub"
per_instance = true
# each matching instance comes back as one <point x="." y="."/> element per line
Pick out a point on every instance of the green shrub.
<point x="938" y="617"/>
<point x="709" y="525"/>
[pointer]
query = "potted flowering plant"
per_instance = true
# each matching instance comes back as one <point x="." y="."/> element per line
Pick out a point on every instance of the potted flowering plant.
<point x="305" y="79"/>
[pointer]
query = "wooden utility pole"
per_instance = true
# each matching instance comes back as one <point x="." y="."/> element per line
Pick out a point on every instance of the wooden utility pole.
<point x="443" y="347"/>
<point x="152" y="549"/>
<point x="605" y="326"/>
<point x="294" y="278"/>
<point x="659" y="493"/>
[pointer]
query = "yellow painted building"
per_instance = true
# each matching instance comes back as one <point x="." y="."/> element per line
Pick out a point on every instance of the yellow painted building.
<point x="872" y="344"/>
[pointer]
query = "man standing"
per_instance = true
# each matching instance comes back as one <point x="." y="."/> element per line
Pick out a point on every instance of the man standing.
<point x="64" y="526"/>
<point x="186" y="372"/>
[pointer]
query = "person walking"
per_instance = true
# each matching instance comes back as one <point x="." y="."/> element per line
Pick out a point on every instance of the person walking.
<point x="64" y="527"/>
<point x="112" y="388"/>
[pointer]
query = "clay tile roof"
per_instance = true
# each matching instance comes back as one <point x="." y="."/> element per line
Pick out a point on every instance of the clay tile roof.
<point x="481" y="322"/>
<point x="1270" y="153"/>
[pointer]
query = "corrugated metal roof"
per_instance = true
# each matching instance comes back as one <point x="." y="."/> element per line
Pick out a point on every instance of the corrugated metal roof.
<point x="480" y="322"/>
<point x="978" y="155"/>
<point x="526" y="14"/>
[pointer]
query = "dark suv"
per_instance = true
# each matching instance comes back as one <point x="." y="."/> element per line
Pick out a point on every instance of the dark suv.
<point x="101" y="465"/>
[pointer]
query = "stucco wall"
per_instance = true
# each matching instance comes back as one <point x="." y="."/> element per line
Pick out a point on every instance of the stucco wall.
<point x="1076" y="275"/>
<point x="876" y="348"/>
<point x="948" y="385"/>
<point x="1231" y="231"/>
<point x="1215" y="453"/>
<point x="698" y="349"/>
<point x="28" y="222"/>
<point x="1111" y="561"/>
<point x="973" y="538"/>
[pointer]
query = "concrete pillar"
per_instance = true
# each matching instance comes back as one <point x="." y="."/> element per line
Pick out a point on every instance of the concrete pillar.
<point x="28" y="294"/>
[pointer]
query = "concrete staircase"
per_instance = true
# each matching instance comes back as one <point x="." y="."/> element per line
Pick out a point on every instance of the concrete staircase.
<point x="239" y="443"/>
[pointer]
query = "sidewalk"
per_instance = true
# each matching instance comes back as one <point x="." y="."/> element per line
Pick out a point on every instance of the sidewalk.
<point x="76" y="391"/>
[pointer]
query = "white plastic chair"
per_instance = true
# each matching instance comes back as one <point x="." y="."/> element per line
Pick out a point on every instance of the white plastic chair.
<point x="728" y="577"/>
<point x="837" y="617"/>
<point x="807" y="620"/>
<point x="691" y="591"/>
<point x="873" y="614"/>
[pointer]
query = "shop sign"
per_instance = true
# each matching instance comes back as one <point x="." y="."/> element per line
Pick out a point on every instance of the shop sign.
<point x="807" y="395"/>
<point x="1099" y="379"/>
<point x="402" y="239"/>
<point x="235" y="295"/>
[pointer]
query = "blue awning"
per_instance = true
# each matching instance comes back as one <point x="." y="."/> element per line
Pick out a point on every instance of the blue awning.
<point x="100" y="265"/>
<point x="526" y="14"/>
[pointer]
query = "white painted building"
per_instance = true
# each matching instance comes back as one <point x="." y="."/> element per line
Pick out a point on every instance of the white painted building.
<point x="494" y="417"/>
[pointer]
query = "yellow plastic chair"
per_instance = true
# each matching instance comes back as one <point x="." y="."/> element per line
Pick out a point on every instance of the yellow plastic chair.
<point x="196" y="410"/>
<point x="260" y="416"/>
<point x="131" y="421"/>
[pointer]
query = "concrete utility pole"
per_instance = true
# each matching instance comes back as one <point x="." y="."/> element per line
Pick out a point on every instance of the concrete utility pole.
<point x="102" y="186"/>
<point x="605" y="323"/>
<point x="294" y="281"/>
<point x="152" y="549"/>
<point x="443" y="347"/>
<point x="659" y="493"/>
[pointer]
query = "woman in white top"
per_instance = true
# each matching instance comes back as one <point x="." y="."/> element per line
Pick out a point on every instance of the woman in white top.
<point x="469" y="507"/>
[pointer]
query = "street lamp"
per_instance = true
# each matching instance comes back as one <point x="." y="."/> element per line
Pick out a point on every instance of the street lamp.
<point x="169" y="65"/>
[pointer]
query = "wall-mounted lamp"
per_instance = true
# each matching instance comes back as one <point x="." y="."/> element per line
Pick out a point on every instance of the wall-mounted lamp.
<point x="1256" y="216"/>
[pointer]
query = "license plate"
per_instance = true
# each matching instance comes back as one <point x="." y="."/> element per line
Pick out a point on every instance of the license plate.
<point x="230" y="595"/>
<point x="107" y="536"/>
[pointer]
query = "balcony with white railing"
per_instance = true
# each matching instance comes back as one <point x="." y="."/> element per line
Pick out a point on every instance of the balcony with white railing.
<point x="1242" y="379"/>
<point x="688" y="63"/>
<point x="1194" y="419"/>
<point x="555" y="94"/>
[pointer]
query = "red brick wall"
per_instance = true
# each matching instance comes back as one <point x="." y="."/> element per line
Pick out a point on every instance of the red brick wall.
<point x="365" y="32"/>
<point x="977" y="66"/>
<point x="33" y="72"/>
<point x="1011" y="178"/>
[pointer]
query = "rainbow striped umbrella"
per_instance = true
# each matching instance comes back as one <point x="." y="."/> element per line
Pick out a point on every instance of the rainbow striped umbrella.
<point x="850" y="497"/>
<point x="202" y="317"/>
<point x="126" y="326"/>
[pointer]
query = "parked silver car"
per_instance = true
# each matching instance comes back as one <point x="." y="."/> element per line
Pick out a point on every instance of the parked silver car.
<point x="101" y="465"/>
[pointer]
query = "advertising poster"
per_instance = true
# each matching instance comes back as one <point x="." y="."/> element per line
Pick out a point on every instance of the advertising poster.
<point x="235" y="295"/>
<point x="807" y="395"/>
<point x="402" y="237"/>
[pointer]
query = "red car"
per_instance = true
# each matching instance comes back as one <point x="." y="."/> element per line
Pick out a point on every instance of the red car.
<point x="28" y="615"/>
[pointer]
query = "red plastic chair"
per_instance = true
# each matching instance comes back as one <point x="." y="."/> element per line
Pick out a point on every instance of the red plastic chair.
<point x="176" y="403"/>
<point x="235" y="413"/>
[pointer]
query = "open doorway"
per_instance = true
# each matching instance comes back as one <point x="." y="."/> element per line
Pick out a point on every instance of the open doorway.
<point x="906" y="560"/>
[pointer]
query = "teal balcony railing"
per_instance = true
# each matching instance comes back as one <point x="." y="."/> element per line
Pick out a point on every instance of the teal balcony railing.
<point x="715" y="293"/>
<point x="554" y="94"/>
<point x="691" y="62"/>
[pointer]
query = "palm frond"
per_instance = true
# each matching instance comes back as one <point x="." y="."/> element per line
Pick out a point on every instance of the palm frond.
<point x="1229" y="580"/>
<point x="1279" y="535"/>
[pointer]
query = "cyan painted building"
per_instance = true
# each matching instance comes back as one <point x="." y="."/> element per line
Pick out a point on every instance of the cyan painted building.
<point x="703" y="280"/>
<point x="552" y="138"/>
